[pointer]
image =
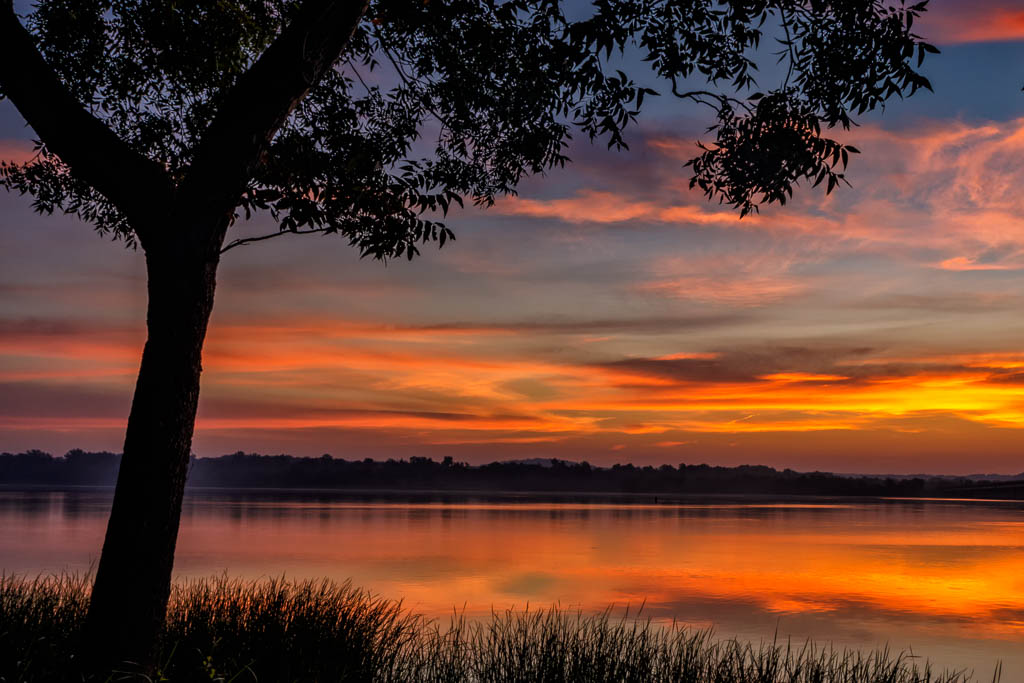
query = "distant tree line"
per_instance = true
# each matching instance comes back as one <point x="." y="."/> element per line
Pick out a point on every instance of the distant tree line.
<point x="76" y="468"/>
<point x="251" y="470"/>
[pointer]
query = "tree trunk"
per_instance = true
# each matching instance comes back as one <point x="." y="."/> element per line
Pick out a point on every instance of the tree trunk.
<point x="130" y="593"/>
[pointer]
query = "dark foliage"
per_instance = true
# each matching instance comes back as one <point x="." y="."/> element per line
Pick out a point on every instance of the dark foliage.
<point x="432" y="102"/>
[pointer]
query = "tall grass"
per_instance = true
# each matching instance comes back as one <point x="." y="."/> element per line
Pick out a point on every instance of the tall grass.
<point x="230" y="630"/>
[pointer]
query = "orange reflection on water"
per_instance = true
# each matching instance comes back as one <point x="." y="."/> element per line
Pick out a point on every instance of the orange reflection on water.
<point x="944" y="577"/>
<point x="944" y="564"/>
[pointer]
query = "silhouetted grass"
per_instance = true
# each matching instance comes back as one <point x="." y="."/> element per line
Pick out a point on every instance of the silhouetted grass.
<point x="231" y="630"/>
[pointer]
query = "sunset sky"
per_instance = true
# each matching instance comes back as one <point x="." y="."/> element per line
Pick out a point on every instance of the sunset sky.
<point x="606" y="314"/>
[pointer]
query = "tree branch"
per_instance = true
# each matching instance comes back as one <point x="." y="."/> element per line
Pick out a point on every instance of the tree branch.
<point x="131" y="181"/>
<point x="716" y="101"/>
<point x="249" y="240"/>
<point x="259" y="103"/>
<point x="408" y="83"/>
<point x="789" y="47"/>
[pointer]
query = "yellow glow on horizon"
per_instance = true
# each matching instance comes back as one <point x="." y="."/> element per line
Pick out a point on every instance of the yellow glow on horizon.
<point x="456" y="386"/>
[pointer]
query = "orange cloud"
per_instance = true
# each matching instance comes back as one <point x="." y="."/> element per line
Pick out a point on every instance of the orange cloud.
<point x="973" y="22"/>
<point x="454" y="388"/>
<point x="616" y="400"/>
<point x="963" y="263"/>
<point x="354" y="376"/>
<point x="697" y="355"/>
<point x="802" y="377"/>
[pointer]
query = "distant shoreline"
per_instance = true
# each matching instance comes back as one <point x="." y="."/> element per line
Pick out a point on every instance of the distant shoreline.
<point x="541" y="480"/>
<point x="464" y="497"/>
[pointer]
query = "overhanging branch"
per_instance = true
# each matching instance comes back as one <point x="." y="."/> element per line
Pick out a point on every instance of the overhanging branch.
<point x="249" y="240"/>
<point x="714" y="100"/>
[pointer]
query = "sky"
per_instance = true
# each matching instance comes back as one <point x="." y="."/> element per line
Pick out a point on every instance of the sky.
<point x="606" y="314"/>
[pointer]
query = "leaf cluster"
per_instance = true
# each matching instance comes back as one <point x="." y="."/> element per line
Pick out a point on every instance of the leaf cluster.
<point x="438" y="101"/>
<point x="761" y="155"/>
<point x="842" y="59"/>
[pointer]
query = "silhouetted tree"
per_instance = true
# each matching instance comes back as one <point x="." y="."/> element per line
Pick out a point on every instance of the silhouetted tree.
<point x="164" y="122"/>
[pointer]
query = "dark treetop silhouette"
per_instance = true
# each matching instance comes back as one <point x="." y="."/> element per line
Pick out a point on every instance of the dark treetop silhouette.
<point x="163" y="122"/>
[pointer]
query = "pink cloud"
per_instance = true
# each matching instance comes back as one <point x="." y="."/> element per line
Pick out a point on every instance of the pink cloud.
<point x="939" y="195"/>
<point x="593" y="206"/>
<point x="16" y="151"/>
<point x="731" y="278"/>
<point x="727" y="290"/>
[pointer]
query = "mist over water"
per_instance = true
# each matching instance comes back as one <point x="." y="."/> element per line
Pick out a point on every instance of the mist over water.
<point x="943" y="578"/>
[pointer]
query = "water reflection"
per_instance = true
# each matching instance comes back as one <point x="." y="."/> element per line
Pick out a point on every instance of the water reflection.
<point x="944" y="577"/>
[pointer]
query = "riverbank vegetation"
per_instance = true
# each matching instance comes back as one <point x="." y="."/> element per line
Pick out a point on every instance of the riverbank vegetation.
<point x="222" y="630"/>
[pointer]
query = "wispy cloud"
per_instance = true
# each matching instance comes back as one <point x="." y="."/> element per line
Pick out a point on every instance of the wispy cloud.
<point x="595" y="206"/>
<point x="949" y="187"/>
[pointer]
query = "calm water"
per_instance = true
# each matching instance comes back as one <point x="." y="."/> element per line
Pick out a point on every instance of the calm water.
<point x="943" y="578"/>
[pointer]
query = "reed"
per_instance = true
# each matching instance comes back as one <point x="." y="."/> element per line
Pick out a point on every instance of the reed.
<point x="229" y="630"/>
